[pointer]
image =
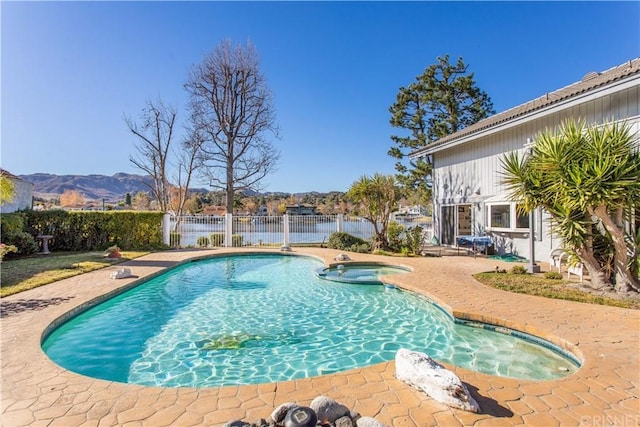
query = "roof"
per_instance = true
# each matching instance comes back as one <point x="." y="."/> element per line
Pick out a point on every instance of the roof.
<point x="9" y="175"/>
<point x="589" y="82"/>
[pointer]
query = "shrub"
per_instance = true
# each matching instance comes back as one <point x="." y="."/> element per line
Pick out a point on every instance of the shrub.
<point x="553" y="275"/>
<point x="217" y="239"/>
<point x="11" y="222"/>
<point x="5" y="249"/>
<point x="362" y="248"/>
<point x="348" y="242"/>
<point x="518" y="269"/>
<point x="413" y="239"/>
<point x="203" y="241"/>
<point x="23" y="241"/>
<point x="89" y="231"/>
<point x="394" y="235"/>
<point x="236" y="240"/>
<point x="407" y="241"/>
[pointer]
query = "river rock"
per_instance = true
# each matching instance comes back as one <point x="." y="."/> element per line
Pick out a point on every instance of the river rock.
<point x="345" y="422"/>
<point x="328" y="409"/>
<point x="422" y="372"/>
<point x="369" y="422"/>
<point x="281" y="411"/>
<point x="122" y="273"/>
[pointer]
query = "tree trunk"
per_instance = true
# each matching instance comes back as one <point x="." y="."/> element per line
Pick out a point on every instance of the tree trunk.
<point x="597" y="276"/>
<point x="623" y="277"/>
<point x="382" y="242"/>
<point x="230" y="183"/>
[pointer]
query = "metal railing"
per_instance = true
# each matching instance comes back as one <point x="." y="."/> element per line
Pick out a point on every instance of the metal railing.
<point x="213" y="230"/>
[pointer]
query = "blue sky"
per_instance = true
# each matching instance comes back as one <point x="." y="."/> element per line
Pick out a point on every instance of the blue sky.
<point x="72" y="70"/>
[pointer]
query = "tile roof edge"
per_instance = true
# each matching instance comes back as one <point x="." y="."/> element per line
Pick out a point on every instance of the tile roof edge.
<point x="591" y="81"/>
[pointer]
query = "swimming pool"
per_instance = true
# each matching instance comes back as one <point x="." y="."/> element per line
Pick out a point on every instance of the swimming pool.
<point x="249" y="319"/>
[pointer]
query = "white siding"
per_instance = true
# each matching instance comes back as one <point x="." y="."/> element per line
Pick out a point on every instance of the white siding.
<point x="471" y="172"/>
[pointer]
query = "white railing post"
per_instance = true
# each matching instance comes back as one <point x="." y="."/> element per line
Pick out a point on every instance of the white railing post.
<point x="340" y="223"/>
<point x="166" y="229"/>
<point x="228" y="230"/>
<point x="285" y="229"/>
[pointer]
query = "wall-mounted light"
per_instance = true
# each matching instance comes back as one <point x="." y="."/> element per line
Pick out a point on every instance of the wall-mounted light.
<point x="478" y="192"/>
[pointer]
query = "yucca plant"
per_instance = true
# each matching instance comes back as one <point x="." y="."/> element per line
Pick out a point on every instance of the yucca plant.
<point x="586" y="177"/>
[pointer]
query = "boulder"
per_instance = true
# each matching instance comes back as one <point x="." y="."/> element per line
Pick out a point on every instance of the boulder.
<point x="328" y="409"/>
<point x="281" y="411"/>
<point x="422" y="372"/>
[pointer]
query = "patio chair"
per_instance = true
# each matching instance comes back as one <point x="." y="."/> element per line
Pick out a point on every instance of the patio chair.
<point x="559" y="256"/>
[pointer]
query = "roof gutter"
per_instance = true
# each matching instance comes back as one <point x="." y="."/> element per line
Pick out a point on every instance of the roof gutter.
<point x="618" y="86"/>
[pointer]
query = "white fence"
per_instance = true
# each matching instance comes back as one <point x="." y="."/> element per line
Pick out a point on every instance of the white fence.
<point x="262" y="230"/>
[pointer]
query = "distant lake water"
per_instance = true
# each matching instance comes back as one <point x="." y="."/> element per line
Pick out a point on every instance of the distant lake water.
<point x="270" y="230"/>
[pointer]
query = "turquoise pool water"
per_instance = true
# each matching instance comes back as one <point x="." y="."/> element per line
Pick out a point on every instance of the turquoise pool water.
<point x="266" y="318"/>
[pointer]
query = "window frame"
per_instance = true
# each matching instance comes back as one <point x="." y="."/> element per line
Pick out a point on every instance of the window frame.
<point x="513" y="218"/>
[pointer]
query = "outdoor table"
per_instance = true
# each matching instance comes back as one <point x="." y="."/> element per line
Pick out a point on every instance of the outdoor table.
<point x="477" y="243"/>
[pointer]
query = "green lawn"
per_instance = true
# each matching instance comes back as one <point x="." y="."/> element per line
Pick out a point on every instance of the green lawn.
<point x="549" y="288"/>
<point x="18" y="275"/>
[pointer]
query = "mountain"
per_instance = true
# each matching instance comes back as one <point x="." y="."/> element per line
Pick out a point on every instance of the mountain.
<point x="93" y="187"/>
<point x="113" y="188"/>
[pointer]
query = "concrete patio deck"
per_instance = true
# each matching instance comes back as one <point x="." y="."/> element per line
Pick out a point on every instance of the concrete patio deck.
<point x="605" y="391"/>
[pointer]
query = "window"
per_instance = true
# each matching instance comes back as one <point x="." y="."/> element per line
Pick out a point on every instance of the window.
<point x="505" y="216"/>
<point x="522" y="219"/>
<point x="500" y="216"/>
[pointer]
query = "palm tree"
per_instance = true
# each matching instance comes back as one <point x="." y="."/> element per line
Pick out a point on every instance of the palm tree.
<point x="587" y="178"/>
<point x="377" y="196"/>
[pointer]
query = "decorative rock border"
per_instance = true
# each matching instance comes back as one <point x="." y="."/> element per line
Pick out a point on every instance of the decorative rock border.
<point x="322" y="412"/>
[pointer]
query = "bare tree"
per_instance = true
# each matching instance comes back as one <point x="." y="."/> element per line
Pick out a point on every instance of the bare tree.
<point x="141" y="201"/>
<point x="71" y="198"/>
<point x="231" y="109"/>
<point x="155" y="133"/>
<point x="188" y="160"/>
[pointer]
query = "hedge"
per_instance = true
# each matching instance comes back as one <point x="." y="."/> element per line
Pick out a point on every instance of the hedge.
<point x="345" y="241"/>
<point x="87" y="231"/>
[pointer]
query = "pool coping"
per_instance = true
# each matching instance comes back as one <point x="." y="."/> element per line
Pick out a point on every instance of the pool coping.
<point x="35" y="391"/>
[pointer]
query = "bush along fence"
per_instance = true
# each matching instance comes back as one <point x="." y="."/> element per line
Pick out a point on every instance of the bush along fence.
<point x="96" y="231"/>
<point x="82" y="231"/>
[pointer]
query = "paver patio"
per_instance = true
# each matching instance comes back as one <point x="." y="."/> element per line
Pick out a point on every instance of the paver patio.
<point x="604" y="391"/>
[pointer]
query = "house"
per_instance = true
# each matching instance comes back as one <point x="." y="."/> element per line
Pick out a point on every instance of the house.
<point x="415" y="210"/>
<point x="300" y="209"/>
<point x="214" y="210"/>
<point x="469" y="198"/>
<point x="23" y="197"/>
